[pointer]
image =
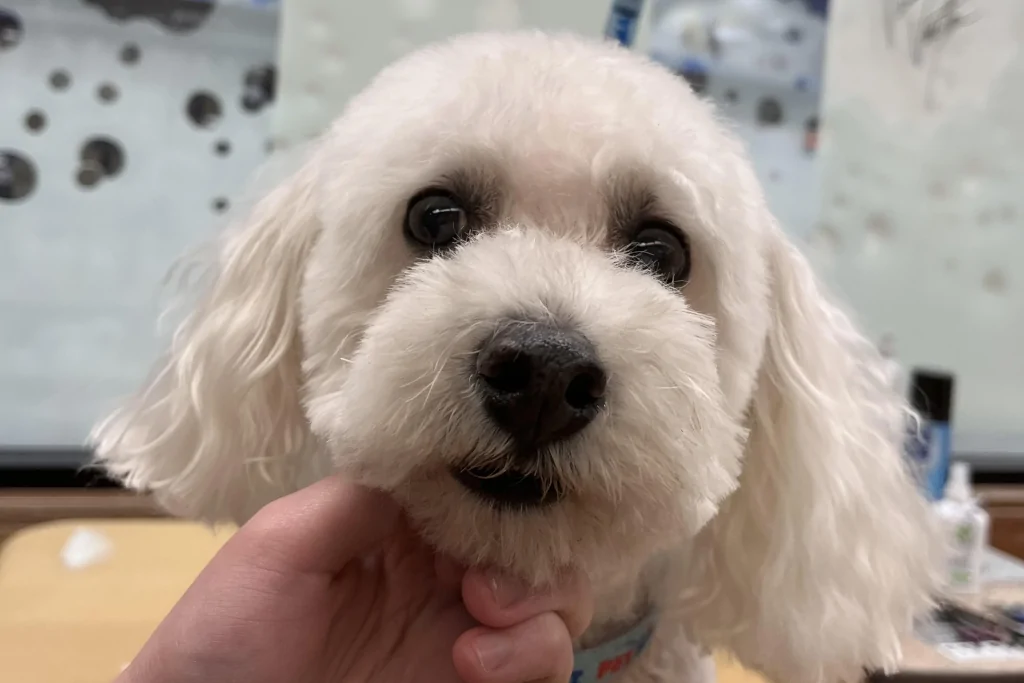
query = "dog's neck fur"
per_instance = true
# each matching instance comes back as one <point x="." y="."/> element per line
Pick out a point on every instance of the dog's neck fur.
<point x="623" y="600"/>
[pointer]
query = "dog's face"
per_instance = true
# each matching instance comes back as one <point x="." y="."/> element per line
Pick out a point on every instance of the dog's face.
<point x="545" y="354"/>
<point x="531" y="286"/>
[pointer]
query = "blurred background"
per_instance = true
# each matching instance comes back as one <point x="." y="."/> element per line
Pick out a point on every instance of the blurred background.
<point x="889" y="136"/>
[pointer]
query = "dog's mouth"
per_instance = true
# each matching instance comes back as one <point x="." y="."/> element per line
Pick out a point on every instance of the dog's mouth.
<point x="508" y="488"/>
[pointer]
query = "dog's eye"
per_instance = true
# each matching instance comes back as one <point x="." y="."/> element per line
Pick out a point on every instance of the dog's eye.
<point x="435" y="218"/>
<point x="661" y="248"/>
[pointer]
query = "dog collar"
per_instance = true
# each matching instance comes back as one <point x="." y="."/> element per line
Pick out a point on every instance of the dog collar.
<point x="604" y="662"/>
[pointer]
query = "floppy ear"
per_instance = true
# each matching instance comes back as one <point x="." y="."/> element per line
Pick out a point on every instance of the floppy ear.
<point x="219" y="430"/>
<point x="818" y="562"/>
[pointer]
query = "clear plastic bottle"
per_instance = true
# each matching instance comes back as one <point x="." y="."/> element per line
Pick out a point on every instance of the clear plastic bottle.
<point x="966" y="528"/>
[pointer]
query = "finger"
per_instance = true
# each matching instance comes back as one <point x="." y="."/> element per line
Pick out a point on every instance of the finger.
<point x="318" y="529"/>
<point x="539" y="649"/>
<point x="499" y="601"/>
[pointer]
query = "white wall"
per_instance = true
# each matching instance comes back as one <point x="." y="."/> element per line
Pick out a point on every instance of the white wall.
<point x="922" y="217"/>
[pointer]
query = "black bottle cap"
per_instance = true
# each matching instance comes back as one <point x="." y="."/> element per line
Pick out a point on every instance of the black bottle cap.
<point x="931" y="394"/>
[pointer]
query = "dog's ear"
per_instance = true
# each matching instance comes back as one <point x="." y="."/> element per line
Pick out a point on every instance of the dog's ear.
<point x="817" y="563"/>
<point x="219" y="429"/>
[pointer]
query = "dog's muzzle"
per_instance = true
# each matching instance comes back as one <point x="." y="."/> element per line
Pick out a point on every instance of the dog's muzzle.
<point x="539" y="384"/>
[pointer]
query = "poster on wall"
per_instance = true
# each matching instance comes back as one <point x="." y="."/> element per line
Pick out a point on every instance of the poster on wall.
<point x="761" y="63"/>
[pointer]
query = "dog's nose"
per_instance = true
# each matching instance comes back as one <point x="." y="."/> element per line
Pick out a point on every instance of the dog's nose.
<point x="540" y="383"/>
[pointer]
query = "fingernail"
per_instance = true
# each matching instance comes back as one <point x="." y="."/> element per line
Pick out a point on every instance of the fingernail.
<point x="508" y="591"/>
<point x="494" y="651"/>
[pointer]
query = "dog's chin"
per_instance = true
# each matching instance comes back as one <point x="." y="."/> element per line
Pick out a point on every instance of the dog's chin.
<point x="509" y="489"/>
<point x="533" y="519"/>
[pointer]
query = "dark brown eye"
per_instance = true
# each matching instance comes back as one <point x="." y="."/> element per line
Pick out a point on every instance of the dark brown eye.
<point x="435" y="219"/>
<point x="662" y="249"/>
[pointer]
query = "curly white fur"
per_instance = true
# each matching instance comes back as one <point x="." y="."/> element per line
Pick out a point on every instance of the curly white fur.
<point x="745" y="476"/>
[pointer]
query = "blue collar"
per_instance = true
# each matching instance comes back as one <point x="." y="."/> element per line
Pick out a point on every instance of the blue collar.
<point x="603" y="663"/>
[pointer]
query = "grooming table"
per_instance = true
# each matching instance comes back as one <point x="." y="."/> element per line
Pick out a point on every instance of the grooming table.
<point x="922" y="663"/>
<point x="63" y="625"/>
<point x="82" y="625"/>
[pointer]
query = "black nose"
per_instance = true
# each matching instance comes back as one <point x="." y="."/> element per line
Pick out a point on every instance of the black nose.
<point x="540" y="383"/>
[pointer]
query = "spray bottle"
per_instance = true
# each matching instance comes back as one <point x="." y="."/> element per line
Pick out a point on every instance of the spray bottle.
<point x="965" y="526"/>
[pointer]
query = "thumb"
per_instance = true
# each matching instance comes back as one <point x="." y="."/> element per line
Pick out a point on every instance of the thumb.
<point x="318" y="529"/>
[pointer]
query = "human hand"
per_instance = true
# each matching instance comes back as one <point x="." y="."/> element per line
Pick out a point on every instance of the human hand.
<point x="329" y="584"/>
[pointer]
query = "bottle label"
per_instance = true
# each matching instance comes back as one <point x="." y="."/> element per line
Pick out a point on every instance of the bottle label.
<point x="927" y="450"/>
<point x="622" y="22"/>
<point x="962" y="541"/>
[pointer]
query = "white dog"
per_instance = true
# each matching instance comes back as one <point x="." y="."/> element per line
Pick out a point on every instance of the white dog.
<point x="530" y="285"/>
